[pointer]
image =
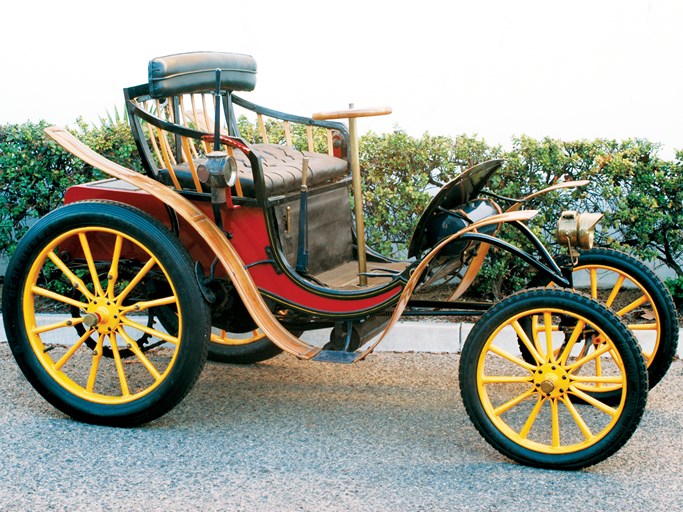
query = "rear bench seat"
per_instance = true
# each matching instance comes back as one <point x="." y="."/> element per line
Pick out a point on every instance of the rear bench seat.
<point x="281" y="170"/>
<point x="195" y="72"/>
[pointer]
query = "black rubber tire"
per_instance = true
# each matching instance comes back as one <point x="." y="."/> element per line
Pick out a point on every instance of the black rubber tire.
<point x="662" y="302"/>
<point x="624" y="343"/>
<point x="170" y="255"/>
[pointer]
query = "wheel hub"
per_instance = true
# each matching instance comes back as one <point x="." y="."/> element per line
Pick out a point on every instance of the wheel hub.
<point x="103" y="315"/>
<point x="551" y="380"/>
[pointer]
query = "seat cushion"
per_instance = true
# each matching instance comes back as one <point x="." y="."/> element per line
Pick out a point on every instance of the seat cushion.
<point x="281" y="170"/>
<point x="186" y="73"/>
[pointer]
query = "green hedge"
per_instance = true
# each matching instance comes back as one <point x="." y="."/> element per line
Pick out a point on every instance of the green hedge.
<point x="641" y="194"/>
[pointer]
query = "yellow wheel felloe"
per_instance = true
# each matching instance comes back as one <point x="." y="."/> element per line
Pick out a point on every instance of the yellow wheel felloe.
<point x="548" y="407"/>
<point x="223" y="337"/>
<point x="110" y="318"/>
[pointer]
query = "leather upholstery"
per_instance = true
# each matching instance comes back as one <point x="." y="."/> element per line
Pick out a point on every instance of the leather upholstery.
<point x="281" y="170"/>
<point x="186" y="73"/>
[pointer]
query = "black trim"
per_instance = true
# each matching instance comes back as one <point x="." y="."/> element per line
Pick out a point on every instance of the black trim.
<point x="327" y="314"/>
<point x="554" y="275"/>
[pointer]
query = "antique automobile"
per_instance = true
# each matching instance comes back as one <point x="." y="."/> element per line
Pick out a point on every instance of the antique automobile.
<point x="233" y="250"/>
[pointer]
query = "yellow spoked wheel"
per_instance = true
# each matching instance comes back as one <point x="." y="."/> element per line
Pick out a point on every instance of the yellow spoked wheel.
<point x="81" y="303"/>
<point x="638" y="297"/>
<point x="547" y="412"/>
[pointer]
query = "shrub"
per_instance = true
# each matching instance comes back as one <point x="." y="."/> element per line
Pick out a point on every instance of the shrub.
<point x="675" y="287"/>
<point x="35" y="171"/>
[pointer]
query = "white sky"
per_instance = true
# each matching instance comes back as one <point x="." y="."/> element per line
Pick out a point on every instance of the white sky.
<point x="565" y="69"/>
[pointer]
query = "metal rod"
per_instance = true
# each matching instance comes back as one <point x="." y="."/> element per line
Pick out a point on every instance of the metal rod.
<point x="358" y="202"/>
<point x="217" y="115"/>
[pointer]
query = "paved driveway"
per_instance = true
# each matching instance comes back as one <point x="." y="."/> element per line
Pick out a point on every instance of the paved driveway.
<point x="386" y="434"/>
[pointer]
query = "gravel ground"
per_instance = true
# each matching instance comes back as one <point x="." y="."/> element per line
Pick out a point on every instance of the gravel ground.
<point x="389" y="433"/>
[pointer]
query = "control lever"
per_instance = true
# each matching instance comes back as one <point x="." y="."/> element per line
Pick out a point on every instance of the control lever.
<point x="302" y="245"/>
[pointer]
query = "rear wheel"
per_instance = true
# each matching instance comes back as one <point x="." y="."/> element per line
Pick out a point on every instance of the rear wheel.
<point x="80" y="300"/>
<point x="241" y="348"/>
<point x="544" y="412"/>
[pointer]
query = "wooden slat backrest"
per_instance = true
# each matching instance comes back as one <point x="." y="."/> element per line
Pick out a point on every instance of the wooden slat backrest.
<point x="176" y="155"/>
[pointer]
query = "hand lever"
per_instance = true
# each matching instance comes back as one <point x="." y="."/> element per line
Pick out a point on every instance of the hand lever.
<point x="302" y="243"/>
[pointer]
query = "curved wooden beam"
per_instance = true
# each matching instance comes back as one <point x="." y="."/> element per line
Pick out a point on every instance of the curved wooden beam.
<point x="207" y="229"/>
<point x="557" y="186"/>
<point x="523" y="215"/>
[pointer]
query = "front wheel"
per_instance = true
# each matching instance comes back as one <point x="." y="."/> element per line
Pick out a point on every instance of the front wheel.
<point x="80" y="305"/>
<point x="545" y="412"/>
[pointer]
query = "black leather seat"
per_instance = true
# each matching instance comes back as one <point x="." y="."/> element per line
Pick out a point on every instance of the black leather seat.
<point x="196" y="72"/>
<point x="281" y="170"/>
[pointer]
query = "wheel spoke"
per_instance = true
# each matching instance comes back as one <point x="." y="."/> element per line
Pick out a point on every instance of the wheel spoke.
<point x="585" y="430"/>
<point x="96" y="357"/>
<point x="527" y="342"/>
<point x="153" y="332"/>
<point x="76" y="281"/>
<point x="598" y="352"/>
<point x="506" y="379"/>
<point x="615" y="290"/>
<point x="532" y="418"/>
<point x="72" y="350"/>
<point x="578" y="330"/>
<point x="535" y="337"/>
<point x="144" y="305"/>
<point x="598" y="371"/>
<point x="593" y="401"/>
<point x="548" y="321"/>
<point x="134" y="282"/>
<point x="516" y="360"/>
<point x="610" y="379"/>
<point x="125" y="391"/>
<point x="91" y="264"/>
<point x="57" y="325"/>
<point x="633" y="305"/>
<point x="642" y="327"/>
<point x="594" y="282"/>
<point x="113" y="274"/>
<point x="555" y="420"/>
<point x="140" y="355"/>
<point x="58" y="297"/>
<point x="512" y="403"/>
